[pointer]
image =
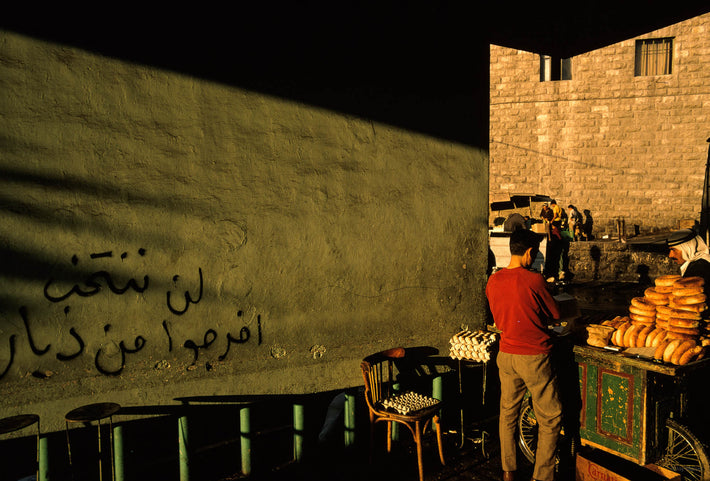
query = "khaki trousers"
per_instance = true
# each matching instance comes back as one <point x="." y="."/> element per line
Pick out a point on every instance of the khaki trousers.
<point x="518" y="374"/>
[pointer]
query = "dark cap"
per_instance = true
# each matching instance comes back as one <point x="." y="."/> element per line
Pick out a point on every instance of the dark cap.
<point x="680" y="236"/>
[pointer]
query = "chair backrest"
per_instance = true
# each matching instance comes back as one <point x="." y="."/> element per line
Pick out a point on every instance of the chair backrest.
<point x="378" y="375"/>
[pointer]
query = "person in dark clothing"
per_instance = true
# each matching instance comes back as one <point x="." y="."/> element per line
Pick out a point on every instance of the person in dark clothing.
<point x="514" y="222"/>
<point x="689" y="251"/>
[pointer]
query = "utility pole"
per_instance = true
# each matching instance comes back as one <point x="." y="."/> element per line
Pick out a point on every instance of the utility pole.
<point x="705" y="208"/>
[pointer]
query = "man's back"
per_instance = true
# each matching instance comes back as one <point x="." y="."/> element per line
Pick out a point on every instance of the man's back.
<point x="522" y="308"/>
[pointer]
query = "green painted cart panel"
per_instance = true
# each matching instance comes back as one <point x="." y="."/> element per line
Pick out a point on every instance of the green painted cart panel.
<point x="614" y="407"/>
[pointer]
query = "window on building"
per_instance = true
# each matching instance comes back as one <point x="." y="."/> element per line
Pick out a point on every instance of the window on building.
<point x="555" y="68"/>
<point x="654" y="56"/>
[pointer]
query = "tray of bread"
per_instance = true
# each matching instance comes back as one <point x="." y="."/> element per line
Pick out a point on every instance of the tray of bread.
<point x="665" y="324"/>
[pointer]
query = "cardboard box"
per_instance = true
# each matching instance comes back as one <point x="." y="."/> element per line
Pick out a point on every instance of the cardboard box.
<point x="593" y="470"/>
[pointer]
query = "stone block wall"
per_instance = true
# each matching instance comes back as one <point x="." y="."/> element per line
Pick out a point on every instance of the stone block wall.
<point x="618" y="262"/>
<point x="606" y="141"/>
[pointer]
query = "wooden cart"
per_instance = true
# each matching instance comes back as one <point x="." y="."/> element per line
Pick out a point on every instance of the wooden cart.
<point x="635" y="408"/>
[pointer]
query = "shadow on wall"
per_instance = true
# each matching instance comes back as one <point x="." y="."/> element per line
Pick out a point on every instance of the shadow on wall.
<point x="215" y="427"/>
<point x="376" y="65"/>
<point x="595" y="254"/>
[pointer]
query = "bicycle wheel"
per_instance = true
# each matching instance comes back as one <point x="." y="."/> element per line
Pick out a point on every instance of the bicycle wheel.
<point x="685" y="453"/>
<point x="527" y="430"/>
<point x="527" y="436"/>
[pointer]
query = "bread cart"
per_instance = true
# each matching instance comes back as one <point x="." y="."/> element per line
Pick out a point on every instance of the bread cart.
<point x="635" y="408"/>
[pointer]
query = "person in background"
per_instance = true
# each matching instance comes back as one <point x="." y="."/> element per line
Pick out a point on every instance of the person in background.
<point x="522" y="309"/>
<point x="557" y="215"/>
<point x="689" y="251"/>
<point x="513" y="222"/>
<point x="575" y="221"/>
<point x="546" y="215"/>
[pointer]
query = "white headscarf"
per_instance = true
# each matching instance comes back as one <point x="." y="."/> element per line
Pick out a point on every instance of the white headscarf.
<point x="692" y="250"/>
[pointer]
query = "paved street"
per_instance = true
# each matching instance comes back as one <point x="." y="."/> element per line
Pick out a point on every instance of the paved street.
<point x="466" y="463"/>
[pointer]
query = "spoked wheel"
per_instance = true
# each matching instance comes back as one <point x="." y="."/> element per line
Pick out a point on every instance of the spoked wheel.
<point x="527" y="430"/>
<point x="527" y="434"/>
<point x="685" y="454"/>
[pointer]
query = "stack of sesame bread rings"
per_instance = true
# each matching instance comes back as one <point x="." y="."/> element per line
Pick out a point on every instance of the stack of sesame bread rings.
<point x="669" y="318"/>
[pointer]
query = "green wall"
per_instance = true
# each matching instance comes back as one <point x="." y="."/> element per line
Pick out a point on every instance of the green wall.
<point x="168" y="235"/>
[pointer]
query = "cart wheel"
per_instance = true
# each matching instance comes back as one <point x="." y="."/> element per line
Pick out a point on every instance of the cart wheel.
<point x="527" y="434"/>
<point x="527" y="430"/>
<point x="685" y="454"/>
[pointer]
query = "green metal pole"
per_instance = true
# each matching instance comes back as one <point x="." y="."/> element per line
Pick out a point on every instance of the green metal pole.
<point x="395" y="426"/>
<point x="437" y="390"/>
<point x="298" y="427"/>
<point x="118" y="452"/>
<point x="183" y="451"/>
<point x="349" y="415"/>
<point x="43" y="459"/>
<point x="245" y="439"/>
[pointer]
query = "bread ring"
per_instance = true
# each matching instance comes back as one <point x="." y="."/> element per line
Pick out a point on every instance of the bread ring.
<point x="666" y="280"/>
<point x="642" y="319"/>
<point x="691" y="331"/>
<point x="659" y="338"/>
<point x="643" y="304"/>
<point x="630" y="335"/>
<point x="660" y="349"/>
<point x="679" y="313"/>
<point x="689" y="307"/>
<point x="689" y="355"/>
<point x="687" y="291"/>
<point x="679" y="335"/>
<point x="692" y="281"/>
<point x="611" y="322"/>
<point x="680" y="350"/>
<point x="661" y="301"/>
<point x="642" y="312"/>
<point x="618" y="336"/>
<point x="615" y="337"/>
<point x="670" y="348"/>
<point x="616" y="322"/>
<point x="652" y="293"/>
<point x="664" y="289"/>
<point x="643" y="334"/>
<point x="652" y="336"/>
<point x="694" y="299"/>
<point x="680" y="322"/>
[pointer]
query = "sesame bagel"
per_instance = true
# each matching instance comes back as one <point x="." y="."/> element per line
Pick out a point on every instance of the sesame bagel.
<point x="666" y="280"/>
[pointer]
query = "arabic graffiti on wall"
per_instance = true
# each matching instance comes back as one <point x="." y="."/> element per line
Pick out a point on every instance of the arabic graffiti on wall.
<point x="101" y="281"/>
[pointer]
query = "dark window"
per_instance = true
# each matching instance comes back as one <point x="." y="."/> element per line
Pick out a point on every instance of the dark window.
<point x="654" y="56"/>
<point x="555" y="68"/>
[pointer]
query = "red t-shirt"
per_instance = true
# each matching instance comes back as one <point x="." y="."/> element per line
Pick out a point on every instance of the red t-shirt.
<point x="522" y="308"/>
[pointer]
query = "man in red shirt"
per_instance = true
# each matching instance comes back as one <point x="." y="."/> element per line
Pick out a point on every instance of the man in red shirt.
<point x="522" y="308"/>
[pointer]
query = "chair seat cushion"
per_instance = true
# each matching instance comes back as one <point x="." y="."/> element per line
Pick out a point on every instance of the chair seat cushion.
<point x="409" y="402"/>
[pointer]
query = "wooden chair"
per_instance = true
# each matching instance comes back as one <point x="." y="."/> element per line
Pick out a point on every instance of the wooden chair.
<point x="378" y="371"/>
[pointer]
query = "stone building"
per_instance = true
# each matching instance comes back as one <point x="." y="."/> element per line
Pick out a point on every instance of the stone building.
<point x="606" y="131"/>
